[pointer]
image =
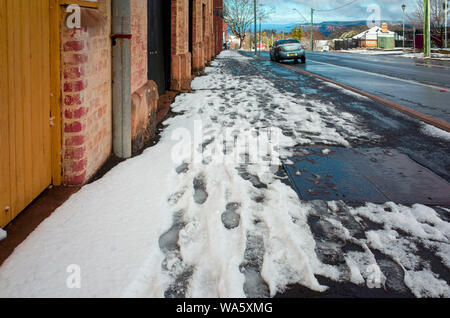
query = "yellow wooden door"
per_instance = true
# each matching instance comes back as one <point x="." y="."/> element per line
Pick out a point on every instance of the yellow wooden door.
<point x="25" y="154"/>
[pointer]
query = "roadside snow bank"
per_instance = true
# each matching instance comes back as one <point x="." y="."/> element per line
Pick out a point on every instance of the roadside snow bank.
<point x="437" y="56"/>
<point x="435" y="132"/>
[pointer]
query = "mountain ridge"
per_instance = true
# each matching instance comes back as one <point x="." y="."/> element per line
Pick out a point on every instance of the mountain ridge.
<point x="326" y="27"/>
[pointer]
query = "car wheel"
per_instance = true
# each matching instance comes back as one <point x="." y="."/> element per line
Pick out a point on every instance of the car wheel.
<point x="296" y="61"/>
<point x="303" y="60"/>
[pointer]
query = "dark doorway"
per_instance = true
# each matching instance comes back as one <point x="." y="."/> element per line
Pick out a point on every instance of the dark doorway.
<point x="159" y="45"/>
<point x="203" y="21"/>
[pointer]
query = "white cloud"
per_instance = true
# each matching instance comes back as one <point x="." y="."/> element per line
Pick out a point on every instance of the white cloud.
<point x="390" y="9"/>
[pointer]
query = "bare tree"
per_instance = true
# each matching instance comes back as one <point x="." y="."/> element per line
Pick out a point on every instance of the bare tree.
<point x="437" y="12"/>
<point x="239" y="16"/>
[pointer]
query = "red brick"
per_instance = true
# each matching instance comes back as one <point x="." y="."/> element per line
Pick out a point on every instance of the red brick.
<point x="68" y="87"/>
<point x="80" y="58"/>
<point x="74" y="141"/>
<point x="73" y="72"/>
<point x="78" y="166"/>
<point x="75" y="114"/>
<point x="68" y="114"/>
<point x="71" y="100"/>
<point x="78" y="86"/>
<point x="75" y="153"/>
<point x="75" y="179"/>
<point x="80" y="112"/>
<point x="74" y="127"/>
<point x="74" y="46"/>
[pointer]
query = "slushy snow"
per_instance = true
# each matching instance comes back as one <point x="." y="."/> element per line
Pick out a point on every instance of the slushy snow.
<point x="182" y="220"/>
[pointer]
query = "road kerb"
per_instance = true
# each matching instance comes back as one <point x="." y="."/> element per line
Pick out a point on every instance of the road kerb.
<point x="441" y="124"/>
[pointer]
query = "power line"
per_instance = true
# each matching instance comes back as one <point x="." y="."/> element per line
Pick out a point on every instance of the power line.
<point x="303" y="17"/>
<point x="343" y="6"/>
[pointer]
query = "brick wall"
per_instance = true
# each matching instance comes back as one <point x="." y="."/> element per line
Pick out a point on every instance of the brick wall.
<point x="139" y="64"/>
<point x="86" y="79"/>
<point x="203" y="48"/>
<point x="86" y="94"/>
<point x="218" y="26"/>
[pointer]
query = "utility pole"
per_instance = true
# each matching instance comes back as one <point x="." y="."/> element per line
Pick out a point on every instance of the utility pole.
<point x="260" y="34"/>
<point x="446" y="22"/>
<point x="256" y="39"/>
<point x="403" y="8"/>
<point x="312" y="29"/>
<point x="426" y="30"/>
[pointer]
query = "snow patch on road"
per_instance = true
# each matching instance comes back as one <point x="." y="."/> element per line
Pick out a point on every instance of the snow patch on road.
<point x="435" y="132"/>
<point x="371" y="52"/>
<point x="346" y="91"/>
<point x="424" y="283"/>
<point x="399" y="53"/>
<point x="434" y="56"/>
<point x="406" y="234"/>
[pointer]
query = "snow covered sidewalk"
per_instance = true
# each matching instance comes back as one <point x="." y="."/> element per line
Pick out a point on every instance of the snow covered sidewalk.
<point x="202" y="214"/>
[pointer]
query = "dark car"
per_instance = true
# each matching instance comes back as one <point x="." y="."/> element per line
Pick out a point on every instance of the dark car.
<point x="289" y="49"/>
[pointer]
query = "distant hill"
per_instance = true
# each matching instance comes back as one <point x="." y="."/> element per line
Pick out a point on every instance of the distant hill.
<point x="327" y="28"/>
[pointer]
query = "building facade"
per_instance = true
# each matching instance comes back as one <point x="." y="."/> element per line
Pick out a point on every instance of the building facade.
<point x="220" y="27"/>
<point x="82" y="82"/>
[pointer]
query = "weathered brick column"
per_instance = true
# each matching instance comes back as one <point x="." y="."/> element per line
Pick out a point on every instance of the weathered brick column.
<point x="198" y="53"/>
<point x="144" y="93"/>
<point x="181" y="57"/>
<point x="86" y="94"/>
<point x="210" y="30"/>
<point x="218" y="26"/>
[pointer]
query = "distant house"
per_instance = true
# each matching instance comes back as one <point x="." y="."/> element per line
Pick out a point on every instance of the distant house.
<point x="376" y="37"/>
<point x="320" y="45"/>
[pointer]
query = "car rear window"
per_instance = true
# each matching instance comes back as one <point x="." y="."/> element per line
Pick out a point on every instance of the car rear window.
<point x="292" y="41"/>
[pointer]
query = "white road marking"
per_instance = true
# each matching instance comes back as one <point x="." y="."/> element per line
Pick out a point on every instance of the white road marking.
<point x="385" y="76"/>
<point x="406" y="61"/>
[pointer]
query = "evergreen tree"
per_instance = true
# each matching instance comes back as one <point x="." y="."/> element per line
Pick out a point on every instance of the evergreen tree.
<point x="298" y="33"/>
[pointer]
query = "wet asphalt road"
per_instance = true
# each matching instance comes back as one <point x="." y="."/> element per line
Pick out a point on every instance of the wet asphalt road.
<point x="421" y="85"/>
<point x="389" y="129"/>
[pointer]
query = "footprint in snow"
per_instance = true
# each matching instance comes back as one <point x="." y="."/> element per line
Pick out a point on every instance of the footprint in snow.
<point x="254" y="286"/>
<point x="200" y="194"/>
<point x="173" y="262"/>
<point x="183" y="168"/>
<point x="230" y="218"/>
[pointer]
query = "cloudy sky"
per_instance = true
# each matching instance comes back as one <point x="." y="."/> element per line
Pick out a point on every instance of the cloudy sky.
<point x="388" y="9"/>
